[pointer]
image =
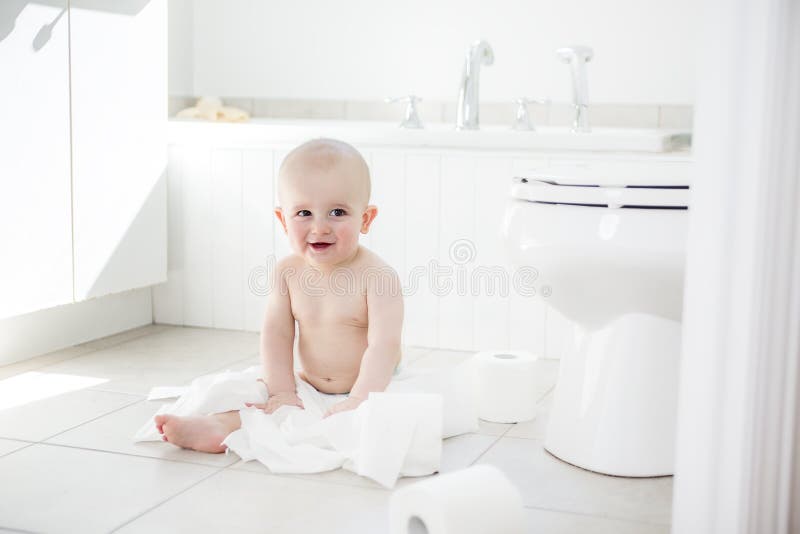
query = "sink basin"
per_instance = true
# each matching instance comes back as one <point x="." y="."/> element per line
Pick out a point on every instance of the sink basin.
<point x="437" y="135"/>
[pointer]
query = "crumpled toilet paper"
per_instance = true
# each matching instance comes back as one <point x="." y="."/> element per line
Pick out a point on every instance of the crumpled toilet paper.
<point x="394" y="433"/>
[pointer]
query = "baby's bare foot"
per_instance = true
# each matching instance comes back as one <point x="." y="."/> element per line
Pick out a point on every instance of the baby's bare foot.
<point x="200" y="433"/>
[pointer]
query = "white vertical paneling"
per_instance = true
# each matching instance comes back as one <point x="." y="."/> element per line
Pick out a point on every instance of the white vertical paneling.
<point x="492" y="181"/>
<point x="388" y="194"/>
<point x="457" y="251"/>
<point x="168" y="297"/>
<point x="259" y="241"/>
<point x="226" y="218"/>
<point x="527" y="313"/>
<point x="197" y="231"/>
<point x="421" y="249"/>
<point x="281" y="242"/>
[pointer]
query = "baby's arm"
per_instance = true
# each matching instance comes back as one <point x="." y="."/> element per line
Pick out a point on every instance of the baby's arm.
<point x="277" y="344"/>
<point x="385" y="323"/>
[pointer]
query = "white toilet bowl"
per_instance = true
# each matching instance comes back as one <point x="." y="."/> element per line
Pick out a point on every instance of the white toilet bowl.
<point x="610" y="243"/>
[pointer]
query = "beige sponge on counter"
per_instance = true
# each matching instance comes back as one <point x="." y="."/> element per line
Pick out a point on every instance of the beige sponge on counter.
<point x="211" y="108"/>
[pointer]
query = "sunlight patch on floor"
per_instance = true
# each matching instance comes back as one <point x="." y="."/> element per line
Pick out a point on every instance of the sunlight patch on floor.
<point x="34" y="386"/>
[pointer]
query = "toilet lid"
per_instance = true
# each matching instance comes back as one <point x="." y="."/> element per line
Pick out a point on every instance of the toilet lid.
<point x="597" y="185"/>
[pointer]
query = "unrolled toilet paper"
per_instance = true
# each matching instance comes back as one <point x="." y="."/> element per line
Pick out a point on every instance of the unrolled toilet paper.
<point x="476" y="500"/>
<point x="506" y="386"/>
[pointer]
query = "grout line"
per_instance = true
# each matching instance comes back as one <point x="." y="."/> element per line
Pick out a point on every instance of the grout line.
<point x="147" y="511"/>
<point x="137" y="401"/>
<point x="133" y="455"/>
<point x="481" y="455"/>
<point x="27" y="444"/>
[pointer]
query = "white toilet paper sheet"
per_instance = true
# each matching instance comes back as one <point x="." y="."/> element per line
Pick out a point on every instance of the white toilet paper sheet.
<point x="391" y="434"/>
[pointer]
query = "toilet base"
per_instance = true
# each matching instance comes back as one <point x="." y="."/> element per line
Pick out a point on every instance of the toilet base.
<point x="615" y="402"/>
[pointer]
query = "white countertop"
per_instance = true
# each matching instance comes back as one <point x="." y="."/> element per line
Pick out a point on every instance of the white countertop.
<point x="258" y="132"/>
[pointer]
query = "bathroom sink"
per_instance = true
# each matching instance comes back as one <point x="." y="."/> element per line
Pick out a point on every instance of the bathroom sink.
<point x="436" y="135"/>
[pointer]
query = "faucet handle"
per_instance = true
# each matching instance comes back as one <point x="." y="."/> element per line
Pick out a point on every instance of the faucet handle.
<point x="523" y="121"/>
<point x="411" y="119"/>
<point x="569" y="53"/>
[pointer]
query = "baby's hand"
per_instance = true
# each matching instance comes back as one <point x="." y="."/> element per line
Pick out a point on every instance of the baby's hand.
<point x="288" y="398"/>
<point x="350" y="403"/>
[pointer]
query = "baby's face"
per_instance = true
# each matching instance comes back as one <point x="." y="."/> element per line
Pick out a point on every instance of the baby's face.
<point x="323" y="210"/>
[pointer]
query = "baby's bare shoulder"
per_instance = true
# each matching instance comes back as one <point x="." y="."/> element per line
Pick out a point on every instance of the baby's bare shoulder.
<point x="374" y="270"/>
<point x="289" y="264"/>
<point x="368" y="260"/>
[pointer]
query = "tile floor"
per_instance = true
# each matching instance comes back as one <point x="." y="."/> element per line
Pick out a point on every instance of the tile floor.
<point x="67" y="462"/>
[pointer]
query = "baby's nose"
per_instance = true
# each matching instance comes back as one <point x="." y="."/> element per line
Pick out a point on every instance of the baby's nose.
<point x="321" y="226"/>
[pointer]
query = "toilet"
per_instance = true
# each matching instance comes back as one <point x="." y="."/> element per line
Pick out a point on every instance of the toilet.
<point x="609" y="240"/>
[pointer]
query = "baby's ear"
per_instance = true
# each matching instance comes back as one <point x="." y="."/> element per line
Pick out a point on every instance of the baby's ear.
<point x="370" y="212"/>
<point x="279" y="215"/>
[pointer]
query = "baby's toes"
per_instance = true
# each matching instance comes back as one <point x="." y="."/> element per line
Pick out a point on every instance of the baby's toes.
<point x="161" y="420"/>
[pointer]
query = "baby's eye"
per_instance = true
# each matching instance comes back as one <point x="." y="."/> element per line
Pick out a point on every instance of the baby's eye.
<point x="303" y="213"/>
<point x="338" y="212"/>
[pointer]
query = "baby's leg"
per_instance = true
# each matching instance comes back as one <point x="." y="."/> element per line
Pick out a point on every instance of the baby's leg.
<point x="199" y="432"/>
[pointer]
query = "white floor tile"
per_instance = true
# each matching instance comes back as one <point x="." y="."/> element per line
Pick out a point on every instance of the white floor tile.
<point x="78" y="350"/>
<point x="241" y="502"/>
<point x="549" y="483"/>
<point x="38" y="362"/>
<point x="183" y="341"/>
<point x="172" y="357"/>
<point x="114" y="433"/>
<point x="552" y="522"/>
<point x="61" y="489"/>
<point x="462" y="451"/>
<point x="75" y="483"/>
<point x="10" y="445"/>
<point x="240" y="365"/>
<point x="40" y="419"/>
<point x="492" y="429"/>
<point x="122" y="337"/>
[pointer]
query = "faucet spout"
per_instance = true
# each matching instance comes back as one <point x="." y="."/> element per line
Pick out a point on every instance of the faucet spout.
<point x="577" y="57"/>
<point x="480" y="53"/>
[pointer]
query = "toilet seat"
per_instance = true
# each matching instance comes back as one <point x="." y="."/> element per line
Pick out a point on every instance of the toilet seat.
<point x="588" y="186"/>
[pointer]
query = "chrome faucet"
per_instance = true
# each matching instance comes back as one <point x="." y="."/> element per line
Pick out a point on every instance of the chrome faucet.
<point x="479" y="53"/>
<point x="577" y="57"/>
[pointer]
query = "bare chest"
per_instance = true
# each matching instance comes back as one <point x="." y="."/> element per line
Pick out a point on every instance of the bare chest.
<point x="322" y="304"/>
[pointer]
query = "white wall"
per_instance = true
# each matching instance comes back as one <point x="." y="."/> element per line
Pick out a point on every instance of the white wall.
<point x="356" y="49"/>
<point x="181" y="47"/>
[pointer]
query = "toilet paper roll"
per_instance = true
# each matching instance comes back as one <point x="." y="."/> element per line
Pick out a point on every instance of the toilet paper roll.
<point x="505" y="383"/>
<point x="476" y="500"/>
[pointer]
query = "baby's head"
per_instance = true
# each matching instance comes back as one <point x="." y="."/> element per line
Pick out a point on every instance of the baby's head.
<point x="323" y="199"/>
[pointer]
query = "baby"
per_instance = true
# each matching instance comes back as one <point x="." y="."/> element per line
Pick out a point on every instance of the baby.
<point x="344" y="299"/>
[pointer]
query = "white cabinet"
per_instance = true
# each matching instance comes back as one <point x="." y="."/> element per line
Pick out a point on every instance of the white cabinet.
<point x="83" y="142"/>
<point x="119" y="147"/>
<point x="35" y="212"/>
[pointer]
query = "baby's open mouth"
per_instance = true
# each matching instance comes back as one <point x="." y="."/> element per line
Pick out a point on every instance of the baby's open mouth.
<point x="320" y="245"/>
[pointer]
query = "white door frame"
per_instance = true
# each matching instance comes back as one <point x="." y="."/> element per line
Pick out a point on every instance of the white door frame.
<point x="738" y="442"/>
